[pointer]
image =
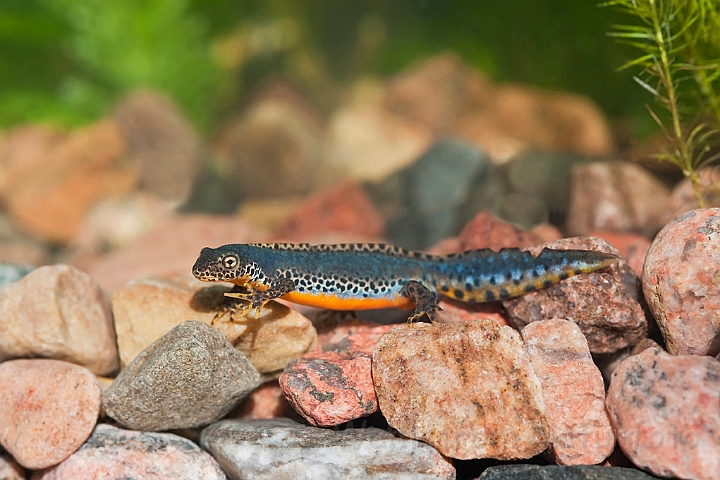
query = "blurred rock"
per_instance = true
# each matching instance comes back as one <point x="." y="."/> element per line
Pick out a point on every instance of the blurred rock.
<point x="190" y="377"/>
<point x="366" y="142"/>
<point x="632" y="247"/>
<point x="605" y="304"/>
<point x="573" y="391"/>
<point x="58" y="312"/>
<point x="267" y="215"/>
<point x="547" y="232"/>
<point x="19" y="247"/>
<point x="266" y="401"/>
<point x="275" y="148"/>
<point x="49" y="187"/>
<point x="9" y="469"/>
<point x="665" y="410"/>
<point x="334" y="385"/>
<point x="557" y="472"/>
<point x="618" y="197"/>
<point x="12" y="272"/>
<point x="49" y="409"/>
<point x="486" y="231"/>
<point x="681" y="282"/>
<point x="115" y="453"/>
<point x="168" y="150"/>
<point x="287" y="448"/>
<point x="422" y="202"/>
<point x="454" y="311"/>
<point x="169" y="249"/>
<point x="436" y="397"/>
<point x="683" y="199"/>
<point x="342" y="209"/>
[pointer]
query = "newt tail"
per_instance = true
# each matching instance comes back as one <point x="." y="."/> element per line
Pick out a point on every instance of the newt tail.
<point x="371" y="276"/>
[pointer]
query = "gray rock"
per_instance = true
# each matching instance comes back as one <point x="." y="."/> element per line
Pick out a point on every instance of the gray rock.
<point x="111" y="452"/>
<point x="280" y="449"/>
<point x="556" y="472"/>
<point x="189" y="377"/>
<point x="12" y="272"/>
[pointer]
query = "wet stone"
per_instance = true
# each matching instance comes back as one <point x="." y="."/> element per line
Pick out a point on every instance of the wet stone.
<point x="279" y="449"/>
<point x="468" y="389"/>
<point x="190" y="377"/>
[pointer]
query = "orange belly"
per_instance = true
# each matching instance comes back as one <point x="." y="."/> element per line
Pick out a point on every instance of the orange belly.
<point x="332" y="302"/>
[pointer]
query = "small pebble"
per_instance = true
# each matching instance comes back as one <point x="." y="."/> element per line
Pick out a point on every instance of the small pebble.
<point x="115" y="453"/>
<point x="605" y="304"/>
<point x="334" y="384"/>
<point x="682" y="285"/>
<point x="665" y="411"/>
<point x="555" y="472"/>
<point x="266" y="401"/>
<point x="468" y="389"/>
<point x="190" y="377"/>
<point x="49" y="408"/>
<point x="59" y="312"/>
<point x="282" y="449"/>
<point x="573" y="390"/>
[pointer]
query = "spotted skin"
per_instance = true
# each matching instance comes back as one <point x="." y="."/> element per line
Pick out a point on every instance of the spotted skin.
<point x="372" y="276"/>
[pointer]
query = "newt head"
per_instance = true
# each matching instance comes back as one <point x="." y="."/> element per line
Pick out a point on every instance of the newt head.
<point x="226" y="264"/>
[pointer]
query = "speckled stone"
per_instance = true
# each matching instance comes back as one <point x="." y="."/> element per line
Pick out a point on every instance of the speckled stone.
<point x="116" y="453"/>
<point x="555" y="472"/>
<point x="190" y="377"/>
<point x="681" y="282"/>
<point x="605" y="304"/>
<point x="334" y="384"/>
<point x="665" y="411"/>
<point x="468" y="389"/>
<point x="281" y="449"/>
<point x="573" y="390"/>
<point x="49" y="408"/>
<point x="59" y="312"/>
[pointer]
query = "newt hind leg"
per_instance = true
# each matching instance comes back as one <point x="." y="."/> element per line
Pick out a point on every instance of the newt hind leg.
<point x="425" y="301"/>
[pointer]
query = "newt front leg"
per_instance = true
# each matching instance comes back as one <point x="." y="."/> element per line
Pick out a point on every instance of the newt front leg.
<point x="257" y="298"/>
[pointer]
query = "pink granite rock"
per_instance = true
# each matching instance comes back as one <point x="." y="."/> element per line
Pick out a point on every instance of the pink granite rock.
<point x="573" y="390"/>
<point x="57" y="311"/>
<point x="468" y="389"/>
<point x="486" y="231"/>
<point x="115" y="453"/>
<point x="49" y="408"/>
<point x="605" y="304"/>
<point x="681" y="282"/>
<point x="335" y="385"/>
<point x="665" y="411"/>
<point x="683" y="198"/>
<point x="632" y="247"/>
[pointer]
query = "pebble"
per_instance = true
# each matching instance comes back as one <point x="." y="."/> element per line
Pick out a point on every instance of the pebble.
<point x="334" y="384"/>
<point x="487" y="231"/>
<point x="632" y="247"/>
<point x="605" y="304"/>
<point x="665" y="411"/>
<point x="10" y="470"/>
<point x="681" y="282"/>
<point x="280" y="449"/>
<point x="57" y="311"/>
<point x="11" y="272"/>
<point x="614" y="196"/>
<point x="49" y="408"/>
<point x="191" y="376"/>
<point x="112" y="452"/>
<point x="266" y="401"/>
<point x="169" y="249"/>
<point x="573" y="391"/>
<point x="556" y="472"/>
<point x="169" y="151"/>
<point x="468" y="389"/>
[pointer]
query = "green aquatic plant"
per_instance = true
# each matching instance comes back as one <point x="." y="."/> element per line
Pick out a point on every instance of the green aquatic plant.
<point x="679" y="41"/>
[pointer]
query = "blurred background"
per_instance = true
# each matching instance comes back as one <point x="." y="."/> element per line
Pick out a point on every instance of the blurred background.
<point x="400" y="120"/>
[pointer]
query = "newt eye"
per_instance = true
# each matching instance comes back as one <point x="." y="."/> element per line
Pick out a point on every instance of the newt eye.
<point x="230" y="262"/>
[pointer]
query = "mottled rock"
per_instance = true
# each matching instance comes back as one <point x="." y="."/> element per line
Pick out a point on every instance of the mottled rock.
<point x="49" y="408"/>
<point x="573" y="391"/>
<point x="169" y="249"/>
<point x="58" y="312"/>
<point x="161" y="140"/>
<point x="556" y="472"/>
<point x="343" y="209"/>
<point x="632" y="247"/>
<point x="487" y="231"/>
<point x="12" y="272"/>
<point x="619" y="197"/>
<point x="334" y="385"/>
<point x="665" y="411"/>
<point x="279" y="449"/>
<point x="468" y="389"/>
<point x="190" y="377"/>
<point x="49" y="188"/>
<point x="275" y="148"/>
<point x="683" y="197"/>
<point x="116" y="453"/>
<point x="681" y="282"/>
<point x="605" y="304"/>
<point x="10" y="470"/>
